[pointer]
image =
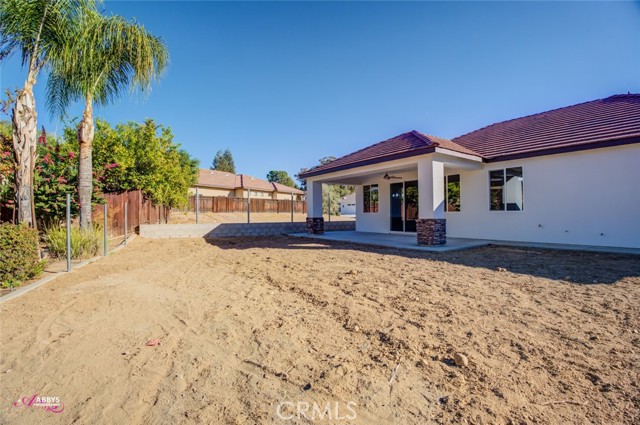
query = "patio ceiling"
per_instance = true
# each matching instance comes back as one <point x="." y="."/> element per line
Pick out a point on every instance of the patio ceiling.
<point x="361" y="175"/>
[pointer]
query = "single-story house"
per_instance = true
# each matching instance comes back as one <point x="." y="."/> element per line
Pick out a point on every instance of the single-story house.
<point x="348" y="204"/>
<point x="220" y="183"/>
<point x="570" y="175"/>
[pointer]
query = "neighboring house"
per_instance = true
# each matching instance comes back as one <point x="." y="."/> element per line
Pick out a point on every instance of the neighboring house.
<point x="570" y="175"/>
<point x="220" y="183"/>
<point x="348" y="204"/>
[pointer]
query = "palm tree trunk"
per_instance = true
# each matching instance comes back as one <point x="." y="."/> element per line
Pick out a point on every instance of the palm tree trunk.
<point x="85" y="164"/>
<point x="24" y="146"/>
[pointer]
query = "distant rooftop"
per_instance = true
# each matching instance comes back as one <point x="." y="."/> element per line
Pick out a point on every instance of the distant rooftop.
<point x="222" y="179"/>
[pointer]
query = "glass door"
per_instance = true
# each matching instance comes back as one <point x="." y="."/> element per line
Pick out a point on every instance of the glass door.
<point x="410" y="205"/>
<point x="404" y="206"/>
<point x="397" y="210"/>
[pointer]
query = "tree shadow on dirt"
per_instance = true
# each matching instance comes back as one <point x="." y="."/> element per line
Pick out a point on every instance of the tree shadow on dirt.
<point x="584" y="268"/>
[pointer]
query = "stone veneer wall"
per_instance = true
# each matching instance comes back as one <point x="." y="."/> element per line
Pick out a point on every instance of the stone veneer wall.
<point x="315" y="225"/>
<point x="431" y="231"/>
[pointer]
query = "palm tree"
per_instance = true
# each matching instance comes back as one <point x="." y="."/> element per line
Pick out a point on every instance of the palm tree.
<point x="107" y="56"/>
<point x="38" y="29"/>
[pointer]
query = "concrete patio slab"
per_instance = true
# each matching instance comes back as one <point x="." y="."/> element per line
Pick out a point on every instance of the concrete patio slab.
<point x="408" y="241"/>
<point x="395" y="240"/>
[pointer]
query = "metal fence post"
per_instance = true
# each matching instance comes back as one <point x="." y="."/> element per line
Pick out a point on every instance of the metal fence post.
<point x="197" y="205"/>
<point x="104" y="240"/>
<point x="126" y="229"/>
<point x="329" y="196"/>
<point x="68" y="232"/>
<point x="248" y="205"/>
<point x="292" y="207"/>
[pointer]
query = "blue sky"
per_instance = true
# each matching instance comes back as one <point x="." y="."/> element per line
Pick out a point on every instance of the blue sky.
<point x="283" y="84"/>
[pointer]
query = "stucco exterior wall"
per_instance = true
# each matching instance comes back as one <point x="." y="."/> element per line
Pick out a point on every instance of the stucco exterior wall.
<point x="586" y="198"/>
<point x="257" y="194"/>
<point x="589" y="198"/>
<point x="286" y="196"/>
<point x="210" y="191"/>
<point x="380" y="221"/>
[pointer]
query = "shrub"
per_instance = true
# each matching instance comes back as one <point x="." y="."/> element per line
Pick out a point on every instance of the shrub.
<point x="84" y="243"/>
<point x="19" y="258"/>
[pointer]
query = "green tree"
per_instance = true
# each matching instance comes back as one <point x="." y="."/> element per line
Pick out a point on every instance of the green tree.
<point x="302" y="183"/>
<point x="334" y="192"/>
<point x="223" y="161"/>
<point x="7" y="170"/>
<point x="331" y="192"/>
<point x="56" y="174"/>
<point x="281" y="177"/>
<point x="143" y="156"/>
<point x="39" y="30"/>
<point x="104" y="57"/>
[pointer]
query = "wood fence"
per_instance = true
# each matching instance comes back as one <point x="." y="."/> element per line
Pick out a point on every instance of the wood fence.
<point x="223" y="204"/>
<point x="139" y="211"/>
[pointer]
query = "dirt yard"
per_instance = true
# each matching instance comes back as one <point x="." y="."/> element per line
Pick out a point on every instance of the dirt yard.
<point x="208" y="217"/>
<point x="254" y="331"/>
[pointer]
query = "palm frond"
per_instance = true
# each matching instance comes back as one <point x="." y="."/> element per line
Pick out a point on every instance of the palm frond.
<point x="38" y="29"/>
<point x="106" y="56"/>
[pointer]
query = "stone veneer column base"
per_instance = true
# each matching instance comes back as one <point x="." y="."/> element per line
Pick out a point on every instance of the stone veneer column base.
<point x="431" y="231"/>
<point x="315" y="226"/>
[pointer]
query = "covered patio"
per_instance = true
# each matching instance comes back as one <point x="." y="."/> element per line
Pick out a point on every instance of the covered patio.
<point x="401" y="190"/>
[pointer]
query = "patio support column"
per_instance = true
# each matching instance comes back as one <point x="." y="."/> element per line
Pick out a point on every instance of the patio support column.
<point x="315" y="220"/>
<point x="431" y="224"/>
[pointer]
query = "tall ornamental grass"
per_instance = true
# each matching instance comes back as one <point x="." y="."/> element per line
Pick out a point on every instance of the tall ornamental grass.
<point x="85" y="243"/>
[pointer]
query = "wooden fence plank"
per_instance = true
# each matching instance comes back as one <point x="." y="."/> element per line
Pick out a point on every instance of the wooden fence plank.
<point x="224" y="204"/>
<point x="139" y="211"/>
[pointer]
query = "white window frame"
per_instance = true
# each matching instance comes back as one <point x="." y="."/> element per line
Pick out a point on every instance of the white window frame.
<point x="504" y="183"/>
<point x="365" y="203"/>
<point x="446" y="192"/>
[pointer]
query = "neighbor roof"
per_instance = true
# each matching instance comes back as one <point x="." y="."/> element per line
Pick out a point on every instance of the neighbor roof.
<point x="605" y="122"/>
<point x="221" y="179"/>
<point x="214" y="178"/>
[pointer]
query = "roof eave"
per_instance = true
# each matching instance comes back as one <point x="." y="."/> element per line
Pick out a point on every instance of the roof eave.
<point x="408" y="154"/>
<point x="566" y="149"/>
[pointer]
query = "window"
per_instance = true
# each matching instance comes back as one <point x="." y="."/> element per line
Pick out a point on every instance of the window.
<point x="506" y="190"/>
<point x="370" y="204"/>
<point x="452" y="193"/>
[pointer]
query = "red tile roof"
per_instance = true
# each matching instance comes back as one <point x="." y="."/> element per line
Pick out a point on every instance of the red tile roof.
<point x="287" y="189"/>
<point x="214" y="178"/>
<point x="613" y="118"/>
<point x="221" y="179"/>
<point x="407" y="144"/>
<point x="594" y="124"/>
<point x="247" y="182"/>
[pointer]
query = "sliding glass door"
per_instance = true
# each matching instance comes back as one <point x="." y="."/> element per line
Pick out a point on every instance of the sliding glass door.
<point x="404" y="206"/>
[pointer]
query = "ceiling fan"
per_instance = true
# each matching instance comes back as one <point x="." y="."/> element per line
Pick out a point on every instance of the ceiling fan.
<point x="388" y="177"/>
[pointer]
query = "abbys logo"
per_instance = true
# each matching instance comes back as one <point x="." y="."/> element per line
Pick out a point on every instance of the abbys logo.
<point x="50" y="404"/>
<point x="289" y="410"/>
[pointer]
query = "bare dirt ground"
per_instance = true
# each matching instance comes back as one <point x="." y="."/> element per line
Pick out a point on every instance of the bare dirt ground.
<point x="252" y="329"/>
<point x="241" y="217"/>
